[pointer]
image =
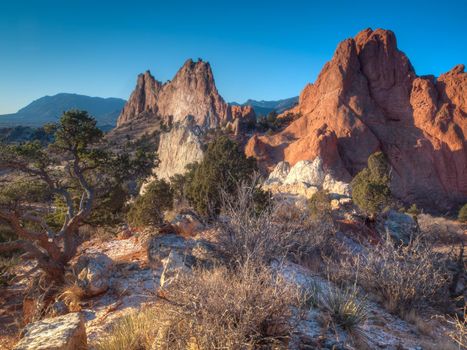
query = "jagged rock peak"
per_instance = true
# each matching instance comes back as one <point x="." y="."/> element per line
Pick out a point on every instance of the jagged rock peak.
<point x="192" y="91"/>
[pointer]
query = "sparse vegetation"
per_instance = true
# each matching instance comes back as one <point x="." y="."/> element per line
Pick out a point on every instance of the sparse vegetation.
<point x="217" y="309"/>
<point x="413" y="210"/>
<point x="320" y="206"/>
<point x="247" y="234"/>
<point x="6" y="266"/>
<point x="136" y="330"/>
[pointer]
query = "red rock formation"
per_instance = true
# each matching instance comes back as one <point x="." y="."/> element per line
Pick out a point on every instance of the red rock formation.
<point x="371" y="98"/>
<point x="191" y="92"/>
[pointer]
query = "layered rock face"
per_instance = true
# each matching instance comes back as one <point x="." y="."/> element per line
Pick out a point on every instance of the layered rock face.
<point x="192" y="92"/>
<point x="368" y="98"/>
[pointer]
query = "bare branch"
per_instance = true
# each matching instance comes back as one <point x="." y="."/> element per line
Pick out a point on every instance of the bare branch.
<point x="6" y="247"/>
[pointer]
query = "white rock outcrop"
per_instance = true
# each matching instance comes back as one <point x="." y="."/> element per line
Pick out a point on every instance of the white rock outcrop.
<point x="279" y="174"/>
<point x="178" y="148"/>
<point x="305" y="178"/>
<point x="336" y="187"/>
<point x="309" y="173"/>
<point x="65" y="332"/>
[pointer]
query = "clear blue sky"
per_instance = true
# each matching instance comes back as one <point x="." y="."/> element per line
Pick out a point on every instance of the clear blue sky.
<point x="257" y="49"/>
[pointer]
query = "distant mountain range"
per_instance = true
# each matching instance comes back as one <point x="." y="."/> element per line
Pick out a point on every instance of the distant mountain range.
<point x="48" y="109"/>
<point x="264" y="107"/>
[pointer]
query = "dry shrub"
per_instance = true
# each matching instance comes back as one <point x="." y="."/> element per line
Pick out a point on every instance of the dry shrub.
<point x="439" y="229"/>
<point x="38" y="298"/>
<point x="225" y="309"/>
<point x="213" y="309"/>
<point x="278" y="231"/>
<point x="405" y="277"/>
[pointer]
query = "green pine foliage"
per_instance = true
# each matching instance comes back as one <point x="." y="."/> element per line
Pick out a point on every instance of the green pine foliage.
<point x="223" y="167"/>
<point x="148" y="209"/>
<point x="370" y="187"/>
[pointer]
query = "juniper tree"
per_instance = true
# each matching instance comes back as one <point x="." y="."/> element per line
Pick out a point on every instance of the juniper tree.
<point x="76" y="168"/>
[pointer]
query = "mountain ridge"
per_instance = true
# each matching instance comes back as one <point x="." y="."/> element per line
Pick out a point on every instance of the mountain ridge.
<point x="48" y="109"/>
<point x="263" y="107"/>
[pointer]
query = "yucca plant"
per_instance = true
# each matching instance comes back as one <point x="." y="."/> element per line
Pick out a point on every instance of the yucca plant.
<point x="346" y="308"/>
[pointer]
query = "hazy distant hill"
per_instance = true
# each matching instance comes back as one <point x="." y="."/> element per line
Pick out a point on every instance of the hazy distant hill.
<point x="49" y="108"/>
<point x="264" y="107"/>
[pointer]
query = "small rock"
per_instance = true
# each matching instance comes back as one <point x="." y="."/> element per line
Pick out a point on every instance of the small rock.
<point x="160" y="247"/>
<point x="65" y="332"/>
<point x="174" y="265"/>
<point x="94" y="271"/>
<point x="187" y="224"/>
<point x="400" y="226"/>
<point x="59" y="308"/>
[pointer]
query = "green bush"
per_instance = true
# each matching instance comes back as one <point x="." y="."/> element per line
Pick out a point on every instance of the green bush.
<point x="463" y="213"/>
<point x="223" y="167"/>
<point x="370" y="187"/>
<point x="148" y="209"/>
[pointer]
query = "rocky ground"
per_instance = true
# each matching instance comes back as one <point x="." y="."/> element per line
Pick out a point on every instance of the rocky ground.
<point x="125" y="274"/>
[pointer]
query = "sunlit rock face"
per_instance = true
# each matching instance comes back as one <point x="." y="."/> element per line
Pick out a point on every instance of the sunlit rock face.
<point x="369" y="98"/>
<point x="192" y="92"/>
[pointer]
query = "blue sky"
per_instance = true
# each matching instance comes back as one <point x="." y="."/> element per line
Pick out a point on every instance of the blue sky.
<point x="257" y="49"/>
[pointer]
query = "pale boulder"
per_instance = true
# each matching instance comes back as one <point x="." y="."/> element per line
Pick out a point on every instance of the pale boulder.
<point x="65" y="332"/>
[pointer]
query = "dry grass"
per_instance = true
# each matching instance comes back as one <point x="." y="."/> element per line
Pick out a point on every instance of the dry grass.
<point x="458" y="334"/>
<point x="218" y="309"/>
<point x="134" y="331"/>
<point x="247" y="308"/>
<point x="279" y="231"/>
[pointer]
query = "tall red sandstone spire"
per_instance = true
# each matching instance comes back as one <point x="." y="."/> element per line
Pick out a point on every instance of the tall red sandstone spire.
<point x="369" y="96"/>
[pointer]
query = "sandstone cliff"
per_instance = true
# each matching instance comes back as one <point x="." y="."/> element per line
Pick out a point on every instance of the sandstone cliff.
<point x="192" y="92"/>
<point x="369" y="98"/>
